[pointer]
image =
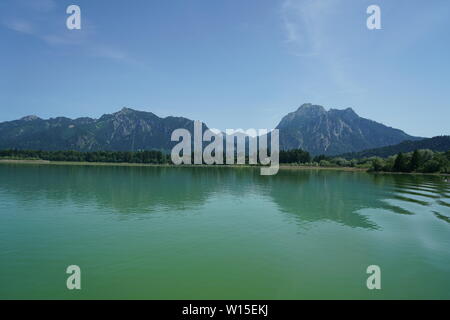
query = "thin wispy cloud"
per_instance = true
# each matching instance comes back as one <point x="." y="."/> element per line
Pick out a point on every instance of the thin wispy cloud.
<point x="37" y="5"/>
<point x="53" y="32"/>
<point x="309" y="34"/>
<point x="104" y="51"/>
<point x="20" y="26"/>
<point x="55" y="40"/>
<point x="305" y="23"/>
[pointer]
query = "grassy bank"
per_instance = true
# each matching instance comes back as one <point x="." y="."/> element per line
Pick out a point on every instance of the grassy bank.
<point x="25" y="161"/>
<point x="125" y="164"/>
<point x="82" y="163"/>
<point x="85" y="163"/>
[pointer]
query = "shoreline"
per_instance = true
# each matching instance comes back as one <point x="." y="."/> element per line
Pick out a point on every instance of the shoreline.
<point x="24" y="161"/>
<point x="131" y="164"/>
<point x="126" y="164"/>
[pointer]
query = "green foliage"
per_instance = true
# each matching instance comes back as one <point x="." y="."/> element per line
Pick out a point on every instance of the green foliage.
<point x="438" y="143"/>
<point x="320" y="158"/>
<point x="378" y="164"/>
<point x="325" y="163"/>
<point x="341" y="162"/>
<point x="294" y="156"/>
<point x="151" y="157"/>
<point x="415" y="162"/>
<point x="431" y="166"/>
<point x="401" y="163"/>
<point x="424" y="161"/>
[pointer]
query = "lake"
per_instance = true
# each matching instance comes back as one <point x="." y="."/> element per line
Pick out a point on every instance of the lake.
<point x="221" y="233"/>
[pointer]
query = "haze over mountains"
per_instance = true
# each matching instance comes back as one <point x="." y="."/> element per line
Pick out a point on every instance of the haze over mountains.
<point x="310" y="127"/>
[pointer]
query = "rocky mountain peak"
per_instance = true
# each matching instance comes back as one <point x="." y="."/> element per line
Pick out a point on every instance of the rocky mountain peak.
<point x="125" y="111"/>
<point x="309" y="108"/>
<point x="347" y="114"/>
<point x="30" y="118"/>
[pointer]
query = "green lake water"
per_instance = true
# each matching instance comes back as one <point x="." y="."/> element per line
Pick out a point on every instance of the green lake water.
<point x="221" y="233"/>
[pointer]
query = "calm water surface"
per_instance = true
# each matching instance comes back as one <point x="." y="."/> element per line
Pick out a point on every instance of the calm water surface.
<point x="221" y="233"/>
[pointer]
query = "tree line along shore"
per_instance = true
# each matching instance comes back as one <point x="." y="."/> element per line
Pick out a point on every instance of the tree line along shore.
<point x="419" y="161"/>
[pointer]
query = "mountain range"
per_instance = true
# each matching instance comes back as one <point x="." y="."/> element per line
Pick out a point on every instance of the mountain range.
<point x="125" y="130"/>
<point x="439" y="143"/>
<point x="310" y="127"/>
<point x="332" y="132"/>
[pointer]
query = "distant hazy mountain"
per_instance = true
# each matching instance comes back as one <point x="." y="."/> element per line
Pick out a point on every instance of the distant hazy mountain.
<point x="126" y="130"/>
<point x="439" y="143"/>
<point x="332" y="132"/>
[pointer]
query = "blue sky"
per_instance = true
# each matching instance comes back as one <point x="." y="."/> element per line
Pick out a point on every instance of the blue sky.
<point x="229" y="63"/>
